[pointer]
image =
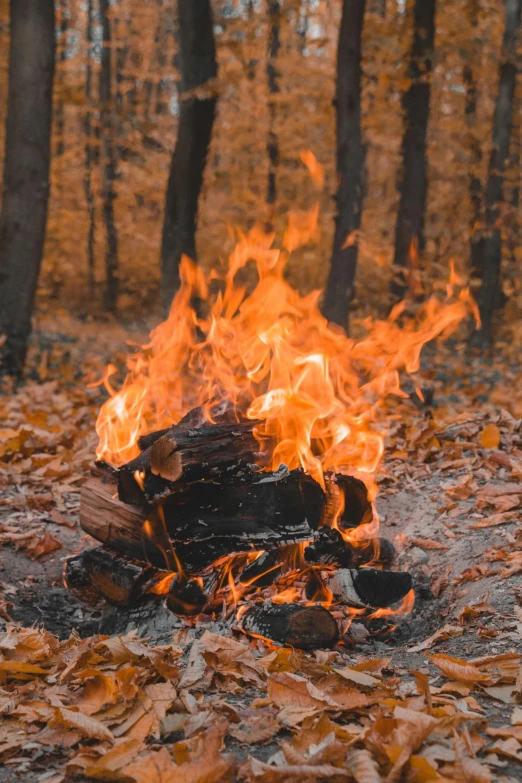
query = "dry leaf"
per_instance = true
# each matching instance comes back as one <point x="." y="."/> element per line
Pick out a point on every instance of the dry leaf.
<point x="456" y="669"/>
<point x="490" y="437"/>
<point x="363" y="767"/>
<point x="42" y="545"/>
<point x="85" y="725"/>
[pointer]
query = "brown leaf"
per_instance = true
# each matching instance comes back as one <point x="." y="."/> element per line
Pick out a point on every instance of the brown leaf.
<point x="42" y="546"/>
<point x="363" y="767"/>
<point x="428" y="543"/>
<point x="291" y="690"/>
<point x="468" y="769"/>
<point x="255" y="729"/>
<point x="87" y="726"/>
<point x="456" y="669"/>
<point x="490" y="437"/>
<point x="119" y="756"/>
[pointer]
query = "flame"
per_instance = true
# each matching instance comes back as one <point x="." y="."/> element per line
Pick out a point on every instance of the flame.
<point x="272" y="356"/>
<point x="317" y="396"/>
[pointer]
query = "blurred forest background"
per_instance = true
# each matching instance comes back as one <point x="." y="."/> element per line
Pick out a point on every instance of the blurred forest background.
<point x="133" y="121"/>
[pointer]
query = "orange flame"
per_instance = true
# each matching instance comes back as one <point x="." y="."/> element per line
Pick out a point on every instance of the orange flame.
<point x="273" y="357"/>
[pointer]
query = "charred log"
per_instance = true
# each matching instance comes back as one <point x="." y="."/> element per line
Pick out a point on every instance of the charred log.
<point x="306" y="627"/>
<point x="351" y="496"/>
<point x="100" y="571"/>
<point x="186" y="597"/>
<point x="264" y="571"/>
<point x="330" y="549"/>
<point x="208" y="452"/>
<point x="368" y="587"/>
<point x="201" y="533"/>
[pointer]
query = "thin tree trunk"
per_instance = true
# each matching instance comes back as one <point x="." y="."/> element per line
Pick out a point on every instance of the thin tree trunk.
<point x="197" y="65"/>
<point x="409" y="230"/>
<point x="89" y="157"/>
<point x="514" y="166"/>
<point x="60" y="106"/>
<point x="474" y="146"/>
<point x="274" y="44"/>
<point x="26" y="171"/>
<point x="109" y="163"/>
<point x="350" y="163"/>
<point x="491" y="245"/>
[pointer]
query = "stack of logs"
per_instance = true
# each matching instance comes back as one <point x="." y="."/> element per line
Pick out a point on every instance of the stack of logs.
<point x="195" y="513"/>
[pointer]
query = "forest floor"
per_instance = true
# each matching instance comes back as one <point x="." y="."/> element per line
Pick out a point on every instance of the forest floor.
<point x="440" y="699"/>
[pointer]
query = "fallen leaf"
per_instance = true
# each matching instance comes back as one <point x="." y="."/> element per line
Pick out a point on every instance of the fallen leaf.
<point x="490" y="437"/>
<point x="456" y="669"/>
<point x="87" y="726"/>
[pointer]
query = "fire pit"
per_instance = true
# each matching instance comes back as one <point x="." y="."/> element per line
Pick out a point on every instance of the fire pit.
<point x="235" y="467"/>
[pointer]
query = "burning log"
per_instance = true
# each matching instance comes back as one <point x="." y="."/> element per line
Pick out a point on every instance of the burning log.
<point x="211" y="451"/>
<point x="330" y="549"/>
<point x="99" y="571"/>
<point x="186" y="597"/>
<point x="295" y="625"/>
<point x="264" y="571"/>
<point x="206" y="521"/>
<point x="369" y="587"/>
<point x="347" y="500"/>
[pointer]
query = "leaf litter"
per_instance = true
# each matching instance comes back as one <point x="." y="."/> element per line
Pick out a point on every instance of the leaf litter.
<point x="217" y="708"/>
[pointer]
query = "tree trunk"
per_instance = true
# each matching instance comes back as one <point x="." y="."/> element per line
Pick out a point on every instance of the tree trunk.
<point x="409" y="229"/>
<point x="474" y="146"/>
<point x="197" y="65"/>
<point x="60" y="106"/>
<point x="274" y="44"/>
<point x="491" y="244"/>
<point x="350" y="163"/>
<point x="26" y="171"/>
<point x="109" y="162"/>
<point x="514" y="166"/>
<point x="89" y="155"/>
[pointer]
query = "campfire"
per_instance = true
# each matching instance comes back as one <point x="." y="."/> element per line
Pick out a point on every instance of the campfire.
<point x="235" y="468"/>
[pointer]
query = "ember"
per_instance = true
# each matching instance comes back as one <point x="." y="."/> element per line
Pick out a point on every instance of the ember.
<point x="236" y="463"/>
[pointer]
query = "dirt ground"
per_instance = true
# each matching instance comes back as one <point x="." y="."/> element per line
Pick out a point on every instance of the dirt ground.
<point x="450" y="504"/>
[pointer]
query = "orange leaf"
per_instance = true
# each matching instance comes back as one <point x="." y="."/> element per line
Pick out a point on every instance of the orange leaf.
<point x="490" y="437"/>
<point x="459" y="670"/>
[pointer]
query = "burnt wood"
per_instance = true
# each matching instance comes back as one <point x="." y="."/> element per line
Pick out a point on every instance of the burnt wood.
<point x="240" y="518"/>
<point x="330" y="549"/>
<point x="186" y="597"/>
<point x="351" y="496"/>
<point x="264" y="571"/>
<point x="368" y="587"/>
<point x="208" y="452"/>
<point x="306" y="627"/>
<point x="119" y="580"/>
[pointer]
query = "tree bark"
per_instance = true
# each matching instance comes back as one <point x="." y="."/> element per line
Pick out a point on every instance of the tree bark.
<point x="474" y="146"/>
<point x="197" y="65"/>
<point x="89" y="155"/>
<point x="60" y="106"/>
<point x="274" y="44"/>
<point x="491" y="244"/>
<point x="350" y="163"/>
<point x="109" y="162"/>
<point x="409" y="229"/>
<point x="26" y="171"/>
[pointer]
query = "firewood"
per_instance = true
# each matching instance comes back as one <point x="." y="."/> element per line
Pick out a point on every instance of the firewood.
<point x="306" y="627"/>
<point x="263" y="571"/>
<point x="186" y="597"/>
<point x="119" y="580"/>
<point x="78" y="580"/>
<point x="202" y="524"/>
<point x="330" y="549"/>
<point x="368" y="587"/>
<point x="351" y="495"/>
<point x="210" y="452"/>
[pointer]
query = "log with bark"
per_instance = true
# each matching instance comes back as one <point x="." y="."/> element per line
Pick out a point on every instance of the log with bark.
<point x="306" y="627"/>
